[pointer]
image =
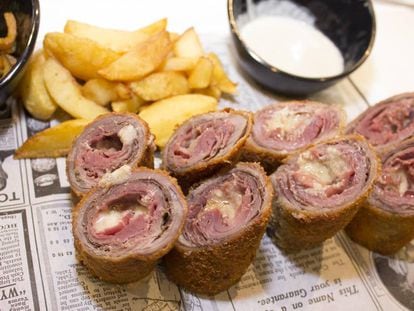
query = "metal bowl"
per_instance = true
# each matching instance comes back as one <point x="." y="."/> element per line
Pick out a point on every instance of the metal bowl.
<point x="27" y="13"/>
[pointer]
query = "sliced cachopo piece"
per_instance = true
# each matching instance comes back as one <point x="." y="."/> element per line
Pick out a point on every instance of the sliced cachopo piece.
<point x="122" y="227"/>
<point x="320" y="190"/>
<point x="206" y="143"/>
<point x="285" y="128"/>
<point x="385" y="223"/>
<point x="110" y="145"/>
<point x="386" y="123"/>
<point x="227" y="217"/>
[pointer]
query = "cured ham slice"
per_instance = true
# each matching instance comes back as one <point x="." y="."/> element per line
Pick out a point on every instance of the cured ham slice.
<point x="204" y="144"/>
<point x="108" y="143"/>
<point x="386" y="123"/>
<point x="284" y="128"/>
<point x="386" y="221"/>
<point x="227" y="218"/>
<point x="320" y="190"/>
<point x="126" y="223"/>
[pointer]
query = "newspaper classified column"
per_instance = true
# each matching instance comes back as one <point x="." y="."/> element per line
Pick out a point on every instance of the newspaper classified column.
<point x="17" y="284"/>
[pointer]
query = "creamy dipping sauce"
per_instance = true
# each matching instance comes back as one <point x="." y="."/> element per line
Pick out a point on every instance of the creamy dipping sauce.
<point x="293" y="46"/>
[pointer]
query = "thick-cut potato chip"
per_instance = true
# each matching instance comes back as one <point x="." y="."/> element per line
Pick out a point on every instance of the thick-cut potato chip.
<point x="220" y="78"/>
<point x="160" y="85"/>
<point x="100" y="91"/>
<point x="211" y="90"/>
<point x="179" y="64"/>
<point x="200" y="77"/>
<point x="132" y="104"/>
<point x="154" y="28"/>
<point x="82" y="57"/>
<point x="117" y="40"/>
<point x="140" y="61"/>
<point x="65" y="91"/>
<point x="52" y="142"/>
<point x="165" y="115"/>
<point x="33" y="92"/>
<point x="188" y="45"/>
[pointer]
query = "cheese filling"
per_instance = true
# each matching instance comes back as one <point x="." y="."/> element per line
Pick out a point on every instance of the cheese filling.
<point x="116" y="177"/>
<point x="226" y="203"/>
<point x="127" y="134"/>
<point x="114" y="220"/>
<point x="320" y="173"/>
<point x="286" y="121"/>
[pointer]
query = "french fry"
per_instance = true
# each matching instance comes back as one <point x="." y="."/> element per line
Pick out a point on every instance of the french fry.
<point x="220" y="78"/>
<point x="132" y="104"/>
<point x="165" y="115"/>
<point x="100" y="91"/>
<point x="179" y="64"/>
<point x="65" y="91"/>
<point x="140" y="61"/>
<point x="200" y="77"/>
<point x="34" y="94"/>
<point x="160" y="85"/>
<point x="211" y="90"/>
<point x="82" y="57"/>
<point x="116" y="40"/>
<point x="188" y="45"/>
<point x="52" y="142"/>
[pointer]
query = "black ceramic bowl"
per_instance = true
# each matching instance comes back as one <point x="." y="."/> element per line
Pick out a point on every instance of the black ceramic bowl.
<point x="350" y="24"/>
<point x="27" y="14"/>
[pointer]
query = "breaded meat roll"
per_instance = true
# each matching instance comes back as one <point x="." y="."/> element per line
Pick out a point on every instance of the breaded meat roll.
<point x="320" y="190"/>
<point x="204" y="144"/>
<point x="386" y="123"/>
<point x="227" y="218"/>
<point x="109" y="142"/>
<point x="386" y="221"/>
<point x="128" y="222"/>
<point x="284" y="128"/>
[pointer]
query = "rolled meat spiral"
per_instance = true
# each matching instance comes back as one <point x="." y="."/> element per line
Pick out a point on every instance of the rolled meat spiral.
<point x="109" y="142"/>
<point x="204" y="144"/>
<point x="320" y="190"/>
<point x="284" y="128"/>
<point x="227" y="218"/>
<point x="125" y="224"/>
<point x="386" y="123"/>
<point x="386" y="221"/>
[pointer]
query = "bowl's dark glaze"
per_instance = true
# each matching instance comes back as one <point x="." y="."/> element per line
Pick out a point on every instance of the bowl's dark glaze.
<point x="27" y="14"/>
<point x="350" y="24"/>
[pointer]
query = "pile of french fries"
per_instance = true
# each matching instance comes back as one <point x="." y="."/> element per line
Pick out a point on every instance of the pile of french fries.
<point x="88" y="70"/>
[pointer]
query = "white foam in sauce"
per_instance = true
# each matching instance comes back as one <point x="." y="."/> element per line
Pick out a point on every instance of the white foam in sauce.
<point x="293" y="46"/>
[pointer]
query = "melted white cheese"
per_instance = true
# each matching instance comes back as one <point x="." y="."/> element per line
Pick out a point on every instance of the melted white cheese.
<point x="324" y="171"/>
<point x="285" y="120"/>
<point x="403" y="179"/>
<point x="127" y="134"/>
<point x="111" y="218"/>
<point x="116" y="177"/>
<point x="227" y="204"/>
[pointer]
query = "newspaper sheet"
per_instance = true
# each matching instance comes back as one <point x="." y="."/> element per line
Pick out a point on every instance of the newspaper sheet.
<point x="39" y="269"/>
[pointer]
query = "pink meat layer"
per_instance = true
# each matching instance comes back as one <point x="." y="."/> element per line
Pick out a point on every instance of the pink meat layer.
<point x="394" y="190"/>
<point x="294" y="125"/>
<point x="323" y="181"/>
<point x="387" y="122"/>
<point x="99" y="150"/>
<point x="139" y="215"/>
<point x="204" y="138"/>
<point x="236" y="198"/>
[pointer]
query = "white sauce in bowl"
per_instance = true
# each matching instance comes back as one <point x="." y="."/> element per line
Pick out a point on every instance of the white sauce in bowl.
<point x="293" y="46"/>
